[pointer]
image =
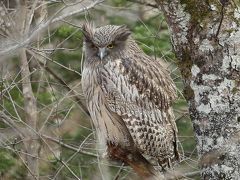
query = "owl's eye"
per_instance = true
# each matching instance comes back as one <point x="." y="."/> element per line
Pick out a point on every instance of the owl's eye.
<point x="110" y="46"/>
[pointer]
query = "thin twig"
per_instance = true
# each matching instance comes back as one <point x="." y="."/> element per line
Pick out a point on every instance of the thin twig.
<point x="118" y="173"/>
<point x="177" y="175"/>
<point x="144" y="3"/>
<point x="70" y="158"/>
<point x="68" y="146"/>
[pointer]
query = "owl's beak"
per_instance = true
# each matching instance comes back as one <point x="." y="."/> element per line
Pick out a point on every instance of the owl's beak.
<point x="102" y="52"/>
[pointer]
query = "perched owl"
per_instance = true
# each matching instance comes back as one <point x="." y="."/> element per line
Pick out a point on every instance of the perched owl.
<point x="128" y="94"/>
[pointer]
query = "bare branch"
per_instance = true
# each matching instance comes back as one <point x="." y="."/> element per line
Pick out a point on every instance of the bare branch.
<point x="144" y="3"/>
<point x="70" y="158"/>
<point x="55" y="18"/>
<point x="65" y="85"/>
<point x="11" y="123"/>
<point x="68" y="146"/>
<point x="178" y="175"/>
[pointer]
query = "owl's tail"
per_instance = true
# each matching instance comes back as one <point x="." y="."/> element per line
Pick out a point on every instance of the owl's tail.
<point x="175" y="145"/>
<point x="136" y="160"/>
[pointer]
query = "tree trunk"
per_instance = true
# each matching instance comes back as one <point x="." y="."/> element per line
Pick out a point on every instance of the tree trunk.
<point x="206" y="41"/>
<point x="31" y="140"/>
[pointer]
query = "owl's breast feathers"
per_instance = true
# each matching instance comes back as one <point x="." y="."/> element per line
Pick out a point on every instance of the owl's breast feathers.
<point x="140" y="92"/>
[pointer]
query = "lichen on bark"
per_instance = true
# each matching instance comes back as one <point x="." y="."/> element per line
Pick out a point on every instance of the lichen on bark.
<point x="209" y="60"/>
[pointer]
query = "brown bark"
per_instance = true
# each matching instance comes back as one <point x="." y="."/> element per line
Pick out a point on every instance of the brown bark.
<point x="31" y="140"/>
<point x="31" y="143"/>
<point x="205" y="37"/>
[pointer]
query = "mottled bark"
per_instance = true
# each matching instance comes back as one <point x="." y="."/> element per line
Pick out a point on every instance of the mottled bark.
<point x="206" y="40"/>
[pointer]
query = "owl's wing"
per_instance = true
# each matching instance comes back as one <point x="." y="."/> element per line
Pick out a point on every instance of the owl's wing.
<point x="140" y="91"/>
<point x="151" y="80"/>
<point x="136" y="80"/>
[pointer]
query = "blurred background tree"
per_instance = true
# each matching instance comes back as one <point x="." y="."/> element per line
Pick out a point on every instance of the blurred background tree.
<point x="45" y="130"/>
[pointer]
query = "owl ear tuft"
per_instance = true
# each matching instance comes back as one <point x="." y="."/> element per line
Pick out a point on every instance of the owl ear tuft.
<point x="87" y="30"/>
<point x="122" y="33"/>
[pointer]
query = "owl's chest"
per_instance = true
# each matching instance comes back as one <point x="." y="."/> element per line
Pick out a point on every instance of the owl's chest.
<point x="90" y="85"/>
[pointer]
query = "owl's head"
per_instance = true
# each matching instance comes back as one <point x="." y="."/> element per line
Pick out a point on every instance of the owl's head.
<point x="104" y="41"/>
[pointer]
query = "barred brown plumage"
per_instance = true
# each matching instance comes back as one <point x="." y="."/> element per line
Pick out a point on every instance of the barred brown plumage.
<point x="129" y="94"/>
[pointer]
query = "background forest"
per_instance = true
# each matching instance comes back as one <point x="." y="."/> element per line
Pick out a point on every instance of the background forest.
<point x="64" y="139"/>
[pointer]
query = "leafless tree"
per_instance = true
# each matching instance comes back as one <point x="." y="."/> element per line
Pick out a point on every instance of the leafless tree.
<point x="21" y="26"/>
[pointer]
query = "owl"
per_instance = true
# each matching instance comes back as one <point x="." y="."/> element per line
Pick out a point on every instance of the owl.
<point x="128" y="94"/>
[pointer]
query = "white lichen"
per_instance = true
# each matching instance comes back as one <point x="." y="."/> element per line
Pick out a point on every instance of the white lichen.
<point x="183" y="19"/>
<point x="199" y="90"/>
<point x="235" y="61"/>
<point x="209" y="77"/>
<point x="196" y="40"/>
<point x="220" y="140"/>
<point x="234" y="25"/>
<point x="225" y="168"/>
<point x="206" y="46"/>
<point x="237" y="13"/>
<point x="195" y="70"/>
<point x="213" y="7"/>
<point x="204" y="108"/>
<point x="234" y="38"/>
<point x="225" y="63"/>
<point x="219" y="100"/>
<point x="232" y="62"/>
<point x="205" y="142"/>
<point x="217" y="96"/>
<point x="234" y="51"/>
